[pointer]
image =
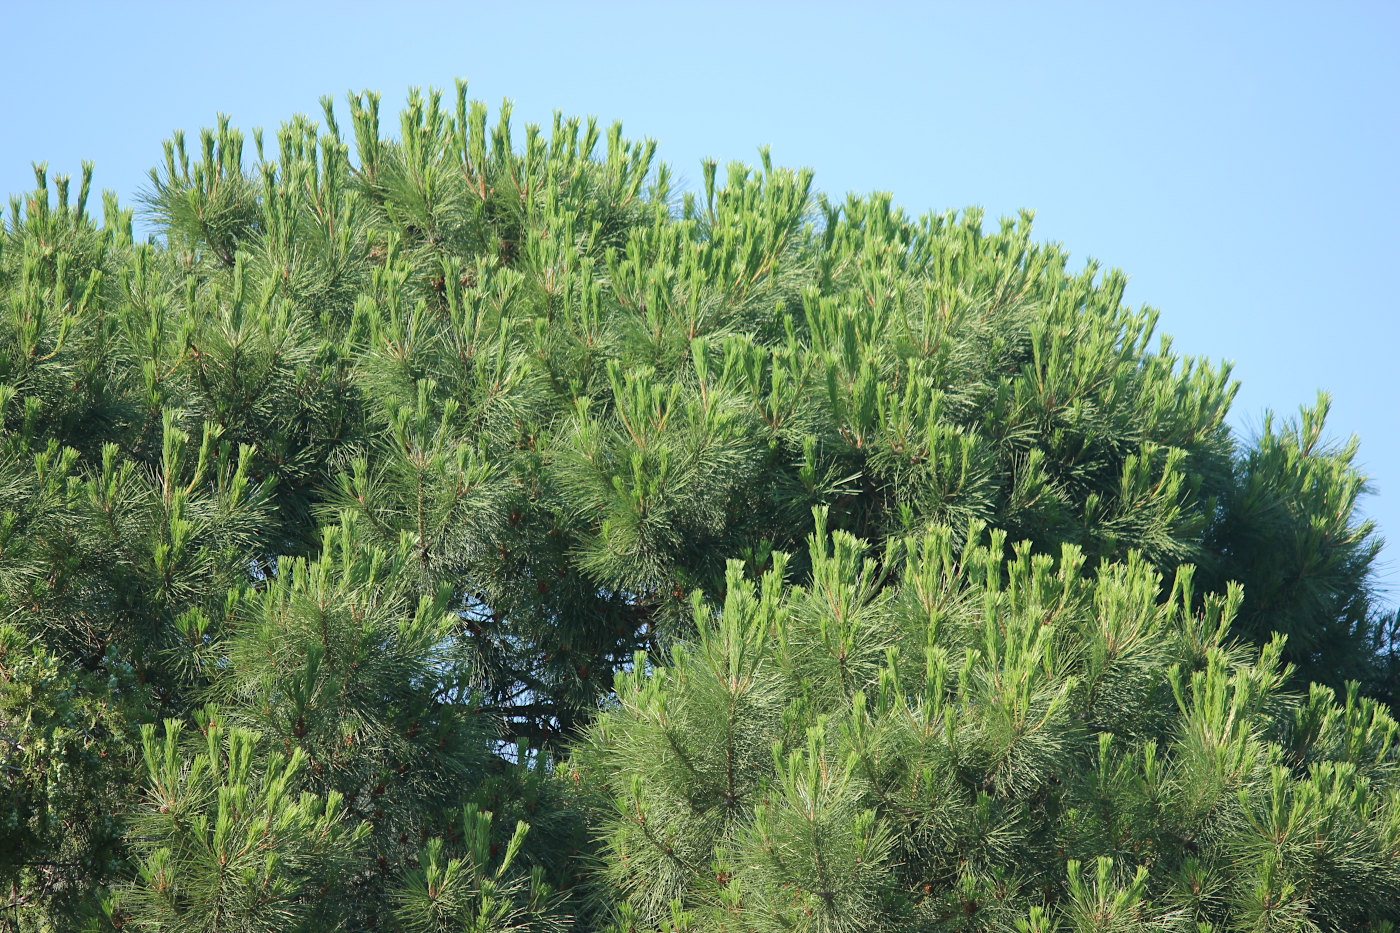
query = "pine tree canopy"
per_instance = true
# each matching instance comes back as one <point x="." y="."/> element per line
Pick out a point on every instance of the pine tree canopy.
<point x="431" y="529"/>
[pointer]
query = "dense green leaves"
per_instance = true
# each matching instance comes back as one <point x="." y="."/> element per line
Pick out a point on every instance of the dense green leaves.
<point x="225" y="845"/>
<point x="1011" y="744"/>
<point x="469" y="480"/>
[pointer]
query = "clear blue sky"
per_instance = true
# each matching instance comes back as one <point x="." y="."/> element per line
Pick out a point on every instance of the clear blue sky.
<point x="1237" y="160"/>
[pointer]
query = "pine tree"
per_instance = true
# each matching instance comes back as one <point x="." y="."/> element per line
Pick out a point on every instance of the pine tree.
<point x="387" y="492"/>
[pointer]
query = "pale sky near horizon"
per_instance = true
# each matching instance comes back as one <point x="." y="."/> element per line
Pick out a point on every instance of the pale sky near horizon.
<point x="1237" y="160"/>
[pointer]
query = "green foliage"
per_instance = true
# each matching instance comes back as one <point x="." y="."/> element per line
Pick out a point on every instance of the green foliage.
<point x="426" y="459"/>
<point x="67" y="745"/>
<point x="223" y="845"/>
<point x="1006" y="744"/>
<point x="333" y="662"/>
<point x="465" y="893"/>
<point x="1296" y="545"/>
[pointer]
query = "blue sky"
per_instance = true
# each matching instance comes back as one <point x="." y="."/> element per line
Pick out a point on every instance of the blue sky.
<point x="1237" y="160"/>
